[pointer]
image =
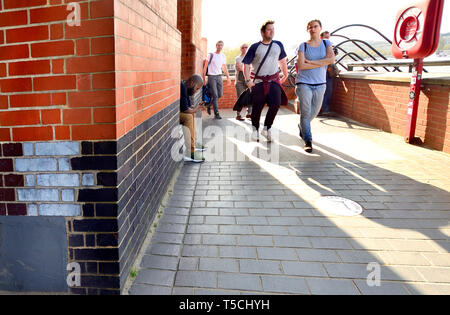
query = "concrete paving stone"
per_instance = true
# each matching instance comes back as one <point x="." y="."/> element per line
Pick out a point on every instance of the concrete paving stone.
<point x="219" y="192"/>
<point x="188" y="263"/>
<point x="296" y="213"/>
<point x="235" y="229"/>
<point x="435" y="274"/>
<point x="164" y="249"/>
<point x="208" y="187"/>
<point x="171" y="228"/>
<point x="264" y="212"/>
<point x="401" y="273"/>
<point x="251" y="220"/>
<point x="234" y="212"/>
<point x="159" y="262"/>
<point x="252" y="240"/>
<point x="203" y="229"/>
<point x="403" y="258"/>
<point x="239" y="282"/>
<point x="428" y="289"/>
<point x="205" y="211"/>
<point x="277" y="253"/>
<point x="209" y="292"/>
<point x="234" y="198"/>
<point x="292" y="241"/>
<point x="182" y="291"/>
<point x="304" y="269"/>
<point x="359" y="256"/>
<point x="238" y="252"/>
<point x="412" y="245"/>
<point x="200" y="204"/>
<point x="176" y="211"/>
<point x="200" y="279"/>
<point x="179" y="204"/>
<point x="339" y="232"/>
<point x="206" y="198"/>
<point x="227" y="240"/>
<point x="331" y="287"/>
<point x="269" y="230"/>
<point x="284" y="285"/>
<point x="370" y="244"/>
<point x="220" y="220"/>
<point x="220" y="204"/>
<point x="329" y="243"/>
<point x="351" y="271"/>
<point x="287" y="221"/>
<point x="155" y="277"/>
<point x="192" y="239"/>
<point x="318" y="222"/>
<point x="385" y="288"/>
<point x="305" y="231"/>
<point x="248" y="204"/>
<point x="261" y="198"/>
<point x="438" y="259"/>
<point x="260" y="267"/>
<point x="181" y="197"/>
<point x="318" y="255"/>
<point x="198" y="219"/>
<point x="143" y="289"/>
<point x="174" y="219"/>
<point x="218" y="264"/>
<point x="442" y="246"/>
<point x="200" y="251"/>
<point x="278" y="205"/>
<point x="167" y="238"/>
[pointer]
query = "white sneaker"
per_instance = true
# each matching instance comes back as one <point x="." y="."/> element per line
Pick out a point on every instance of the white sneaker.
<point x="268" y="134"/>
<point x="255" y="135"/>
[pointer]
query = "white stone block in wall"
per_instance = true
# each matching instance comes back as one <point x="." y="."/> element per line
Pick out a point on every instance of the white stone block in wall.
<point x="28" y="149"/>
<point x="60" y="210"/>
<point x="38" y="195"/>
<point x="57" y="148"/>
<point x="58" y="180"/>
<point x="68" y="195"/>
<point x="63" y="165"/>
<point x="30" y="181"/>
<point x="32" y="210"/>
<point x="88" y="180"/>
<point x="36" y="165"/>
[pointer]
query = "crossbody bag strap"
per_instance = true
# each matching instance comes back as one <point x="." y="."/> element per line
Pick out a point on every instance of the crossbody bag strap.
<point x="264" y="59"/>
<point x="210" y="60"/>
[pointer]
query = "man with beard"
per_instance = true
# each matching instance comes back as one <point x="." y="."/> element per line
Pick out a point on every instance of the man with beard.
<point x="187" y="114"/>
<point x="266" y="86"/>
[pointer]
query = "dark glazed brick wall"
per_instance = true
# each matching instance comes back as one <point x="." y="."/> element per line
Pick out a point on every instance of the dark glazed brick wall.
<point x="145" y="169"/>
<point x="132" y="175"/>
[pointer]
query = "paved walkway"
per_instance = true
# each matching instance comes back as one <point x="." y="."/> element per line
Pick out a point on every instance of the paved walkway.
<point x="248" y="222"/>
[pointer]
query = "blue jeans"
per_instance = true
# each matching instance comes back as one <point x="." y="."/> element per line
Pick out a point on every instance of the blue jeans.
<point x="327" y="97"/>
<point x="311" y="98"/>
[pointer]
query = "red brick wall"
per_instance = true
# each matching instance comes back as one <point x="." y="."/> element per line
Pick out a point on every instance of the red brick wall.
<point x="189" y="24"/>
<point x="384" y="105"/>
<point x="56" y="81"/>
<point x="147" y="60"/>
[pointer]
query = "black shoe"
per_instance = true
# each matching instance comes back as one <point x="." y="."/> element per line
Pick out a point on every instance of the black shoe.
<point x="217" y="116"/>
<point x="208" y="110"/>
<point x="308" y="147"/>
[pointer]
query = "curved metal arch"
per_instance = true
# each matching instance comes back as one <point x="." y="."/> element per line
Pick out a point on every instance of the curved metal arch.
<point x="351" y="55"/>
<point x="363" y="25"/>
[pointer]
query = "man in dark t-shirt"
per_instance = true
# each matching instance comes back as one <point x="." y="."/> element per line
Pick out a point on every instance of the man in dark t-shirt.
<point x="266" y="87"/>
<point x="187" y="119"/>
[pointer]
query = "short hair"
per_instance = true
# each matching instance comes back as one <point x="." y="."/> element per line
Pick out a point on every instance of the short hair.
<point x="324" y="33"/>
<point x="264" y="26"/>
<point x="220" y="42"/>
<point x="313" y="21"/>
<point x="194" y="80"/>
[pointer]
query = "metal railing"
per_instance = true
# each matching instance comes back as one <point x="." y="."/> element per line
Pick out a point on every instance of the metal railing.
<point x="397" y="63"/>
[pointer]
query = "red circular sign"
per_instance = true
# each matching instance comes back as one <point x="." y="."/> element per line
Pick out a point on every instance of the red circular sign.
<point x="408" y="29"/>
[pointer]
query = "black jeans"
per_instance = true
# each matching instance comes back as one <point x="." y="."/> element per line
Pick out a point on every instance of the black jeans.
<point x="273" y="100"/>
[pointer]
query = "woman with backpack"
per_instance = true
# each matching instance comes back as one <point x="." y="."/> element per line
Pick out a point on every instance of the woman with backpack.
<point x="314" y="56"/>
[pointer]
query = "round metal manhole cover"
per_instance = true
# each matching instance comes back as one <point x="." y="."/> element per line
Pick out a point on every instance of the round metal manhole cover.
<point x="339" y="206"/>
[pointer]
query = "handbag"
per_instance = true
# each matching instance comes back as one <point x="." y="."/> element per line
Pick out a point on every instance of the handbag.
<point x="245" y="99"/>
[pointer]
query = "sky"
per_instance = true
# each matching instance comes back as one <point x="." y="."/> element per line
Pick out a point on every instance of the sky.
<point x="239" y="21"/>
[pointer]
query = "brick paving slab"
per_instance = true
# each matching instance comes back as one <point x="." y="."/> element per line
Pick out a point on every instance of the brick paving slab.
<point x="253" y="227"/>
